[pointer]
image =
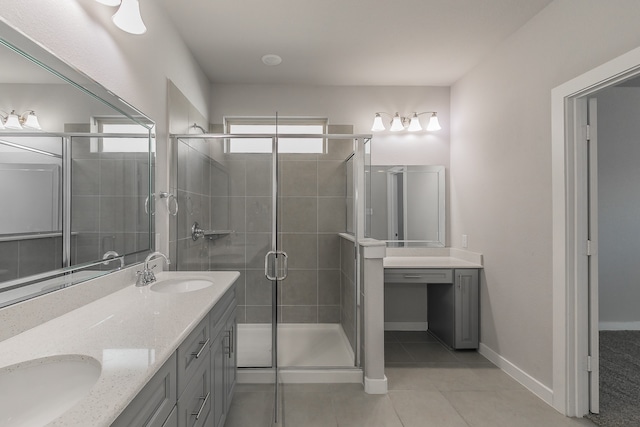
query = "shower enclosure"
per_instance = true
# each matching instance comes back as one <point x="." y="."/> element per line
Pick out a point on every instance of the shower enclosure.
<point x="280" y="219"/>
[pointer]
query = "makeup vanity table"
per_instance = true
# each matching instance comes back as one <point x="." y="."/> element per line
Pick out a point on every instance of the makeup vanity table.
<point x="452" y="280"/>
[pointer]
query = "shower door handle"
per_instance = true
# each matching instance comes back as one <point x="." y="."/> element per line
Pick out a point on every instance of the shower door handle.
<point x="273" y="255"/>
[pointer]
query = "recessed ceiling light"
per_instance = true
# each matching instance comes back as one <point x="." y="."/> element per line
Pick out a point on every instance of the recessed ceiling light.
<point x="271" y="59"/>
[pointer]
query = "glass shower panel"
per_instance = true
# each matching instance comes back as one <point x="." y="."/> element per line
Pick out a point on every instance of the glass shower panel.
<point x="228" y="195"/>
<point x="315" y="302"/>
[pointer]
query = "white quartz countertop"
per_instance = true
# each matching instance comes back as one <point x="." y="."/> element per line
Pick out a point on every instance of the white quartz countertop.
<point x="432" y="258"/>
<point x="427" y="262"/>
<point x="131" y="333"/>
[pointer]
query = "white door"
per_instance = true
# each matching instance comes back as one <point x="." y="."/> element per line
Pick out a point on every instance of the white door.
<point x="592" y="168"/>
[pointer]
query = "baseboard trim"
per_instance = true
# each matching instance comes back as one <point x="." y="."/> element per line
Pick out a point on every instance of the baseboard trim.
<point x="406" y="326"/>
<point x="533" y="385"/>
<point x="619" y="326"/>
<point x="375" y="386"/>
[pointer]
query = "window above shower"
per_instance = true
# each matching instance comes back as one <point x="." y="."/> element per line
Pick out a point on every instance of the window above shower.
<point x="285" y="126"/>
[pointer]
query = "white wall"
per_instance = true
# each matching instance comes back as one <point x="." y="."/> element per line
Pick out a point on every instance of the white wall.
<point x="349" y="105"/>
<point x="501" y="165"/>
<point x="133" y="67"/>
<point x="619" y="207"/>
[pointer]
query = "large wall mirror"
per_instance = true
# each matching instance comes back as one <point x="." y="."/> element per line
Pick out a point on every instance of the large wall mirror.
<point x="76" y="185"/>
<point x="405" y="205"/>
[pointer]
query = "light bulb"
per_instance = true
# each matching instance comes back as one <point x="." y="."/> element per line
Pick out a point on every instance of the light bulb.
<point x="414" y="125"/>
<point x="128" y="17"/>
<point x="31" y="121"/>
<point x="433" y="123"/>
<point x="109" y="2"/>
<point x="13" y="121"/>
<point x="396" y="124"/>
<point x="378" y="125"/>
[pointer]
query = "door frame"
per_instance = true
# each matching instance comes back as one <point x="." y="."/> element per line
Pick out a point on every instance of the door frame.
<point x="570" y="269"/>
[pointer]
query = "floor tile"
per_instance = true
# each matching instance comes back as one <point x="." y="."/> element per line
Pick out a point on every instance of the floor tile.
<point x="507" y="408"/>
<point x="429" y="352"/>
<point x="425" y="409"/>
<point x="413" y="336"/>
<point x="260" y="415"/>
<point x="361" y="409"/>
<point x="394" y="352"/>
<point x="308" y="409"/>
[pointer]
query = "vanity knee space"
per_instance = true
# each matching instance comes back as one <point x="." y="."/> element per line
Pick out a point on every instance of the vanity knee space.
<point x="452" y="301"/>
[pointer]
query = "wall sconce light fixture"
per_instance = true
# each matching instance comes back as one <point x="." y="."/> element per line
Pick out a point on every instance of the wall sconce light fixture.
<point x="14" y="121"/>
<point x="409" y="122"/>
<point x="128" y="17"/>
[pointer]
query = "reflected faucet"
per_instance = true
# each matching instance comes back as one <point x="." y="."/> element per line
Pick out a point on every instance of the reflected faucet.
<point x="110" y="255"/>
<point x="146" y="276"/>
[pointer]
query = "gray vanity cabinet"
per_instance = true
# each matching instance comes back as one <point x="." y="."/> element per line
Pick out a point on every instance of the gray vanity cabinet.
<point x="453" y="310"/>
<point x="224" y="364"/>
<point x="195" y="386"/>
<point x="194" y="405"/>
<point x="453" y="304"/>
<point x="153" y="406"/>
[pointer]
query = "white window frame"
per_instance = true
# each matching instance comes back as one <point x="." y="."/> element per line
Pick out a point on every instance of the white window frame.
<point x="123" y="145"/>
<point x="266" y="125"/>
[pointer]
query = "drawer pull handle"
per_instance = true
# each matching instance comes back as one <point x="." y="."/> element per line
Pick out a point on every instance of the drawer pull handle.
<point x="204" y="403"/>
<point x="409" y="276"/>
<point x="204" y="345"/>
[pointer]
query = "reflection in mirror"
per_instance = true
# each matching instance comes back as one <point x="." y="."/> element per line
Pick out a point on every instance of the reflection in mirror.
<point x="405" y="205"/>
<point x="78" y="190"/>
<point x="350" y="201"/>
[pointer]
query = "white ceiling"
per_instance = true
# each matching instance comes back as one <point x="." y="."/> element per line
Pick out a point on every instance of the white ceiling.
<point x="346" y="42"/>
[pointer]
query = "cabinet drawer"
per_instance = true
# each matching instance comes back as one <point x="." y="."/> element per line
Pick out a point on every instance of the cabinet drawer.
<point x="195" y="405"/>
<point x="154" y="403"/>
<point x="418" y="275"/>
<point x="192" y="352"/>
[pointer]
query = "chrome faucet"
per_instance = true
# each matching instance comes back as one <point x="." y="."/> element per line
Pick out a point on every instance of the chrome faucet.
<point x="146" y="276"/>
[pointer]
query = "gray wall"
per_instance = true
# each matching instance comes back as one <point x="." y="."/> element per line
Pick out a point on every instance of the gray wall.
<point x="501" y="166"/>
<point x="619" y="207"/>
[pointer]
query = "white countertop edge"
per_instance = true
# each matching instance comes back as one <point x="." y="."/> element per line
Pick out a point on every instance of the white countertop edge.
<point x="131" y="319"/>
<point x="432" y="258"/>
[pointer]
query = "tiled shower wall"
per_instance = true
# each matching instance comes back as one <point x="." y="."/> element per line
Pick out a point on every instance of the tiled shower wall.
<point x="107" y="202"/>
<point x="233" y="192"/>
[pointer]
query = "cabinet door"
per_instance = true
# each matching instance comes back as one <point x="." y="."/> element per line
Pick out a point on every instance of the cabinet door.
<point x="231" y="360"/>
<point x="195" y="405"/>
<point x="466" y="309"/>
<point x="218" y="356"/>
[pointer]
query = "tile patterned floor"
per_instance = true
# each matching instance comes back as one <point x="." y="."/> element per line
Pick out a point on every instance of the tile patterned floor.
<point x="429" y="386"/>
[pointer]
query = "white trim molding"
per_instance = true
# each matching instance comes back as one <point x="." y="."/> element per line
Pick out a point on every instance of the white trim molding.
<point x="569" y="325"/>
<point x="375" y="385"/>
<point x="533" y="385"/>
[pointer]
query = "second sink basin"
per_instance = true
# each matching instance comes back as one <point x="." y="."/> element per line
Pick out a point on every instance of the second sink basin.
<point x="38" y="391"/>
<point x="180" y="285"/>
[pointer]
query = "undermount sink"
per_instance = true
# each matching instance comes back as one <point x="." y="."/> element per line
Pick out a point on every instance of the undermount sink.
<point x="38" y="391"/>
<point x="180" y="285"/>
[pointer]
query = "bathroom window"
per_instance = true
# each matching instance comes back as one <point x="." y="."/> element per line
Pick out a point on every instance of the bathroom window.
<point x="264" y="125"/>
<point x="120" y="144"/>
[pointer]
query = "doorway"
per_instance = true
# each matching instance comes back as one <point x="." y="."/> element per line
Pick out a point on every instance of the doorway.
<point x="574" y="323"/>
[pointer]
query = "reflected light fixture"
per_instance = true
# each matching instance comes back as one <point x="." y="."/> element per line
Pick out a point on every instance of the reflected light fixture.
<point x="410" y="122"/>
<point x="128" y="17"/>
<point x="26" y="120"/>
